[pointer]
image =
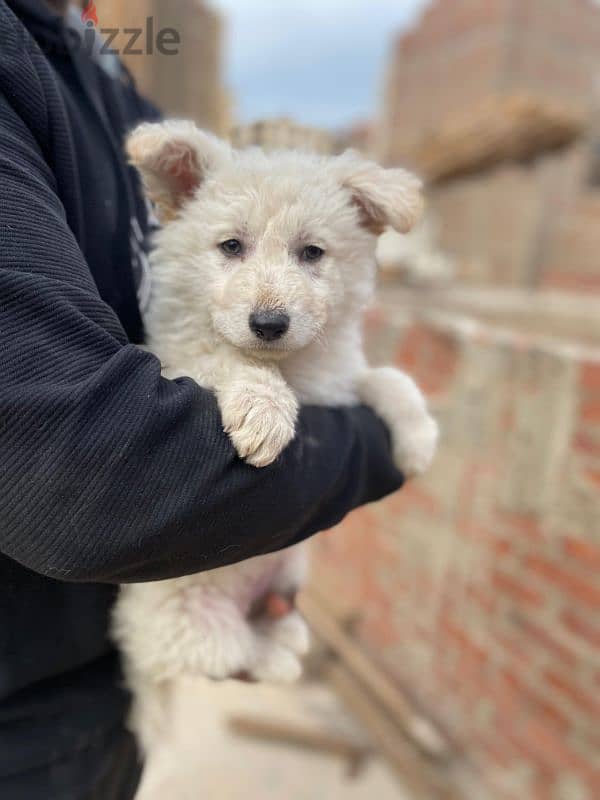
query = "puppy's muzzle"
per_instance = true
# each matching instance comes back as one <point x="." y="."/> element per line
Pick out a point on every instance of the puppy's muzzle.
<point x="269" y="325"/>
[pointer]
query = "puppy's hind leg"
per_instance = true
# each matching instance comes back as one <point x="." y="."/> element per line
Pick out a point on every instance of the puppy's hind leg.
<point x="230" y="644"/>
<point x="151" y="719"/>
<point x="150" y="715"/>
<point x="289" y="630"/>
<point x="275" y="660"/>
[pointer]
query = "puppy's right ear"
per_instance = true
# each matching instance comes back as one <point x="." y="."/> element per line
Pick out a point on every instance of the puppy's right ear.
<point x="383" y="197"/>
<point x="173" y="159"/>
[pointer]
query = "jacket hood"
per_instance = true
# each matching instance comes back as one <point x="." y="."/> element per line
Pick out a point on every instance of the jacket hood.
<point x="52" y="32"/>
<point x="45" y="25"/>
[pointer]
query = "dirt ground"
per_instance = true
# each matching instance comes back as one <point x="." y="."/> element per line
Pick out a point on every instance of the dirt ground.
<point x="213" y="763"/>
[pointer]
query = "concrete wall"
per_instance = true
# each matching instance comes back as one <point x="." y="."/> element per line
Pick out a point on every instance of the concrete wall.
<point x="478" y="584"/>
<point x="282" y="133"/>
<point x="190" y="83"/>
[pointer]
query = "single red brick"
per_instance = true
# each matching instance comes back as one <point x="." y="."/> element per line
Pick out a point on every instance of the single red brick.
<point x="583" y="551"/>
<point x="592" y="781"/>
<point x="589" y="410"/>
<point x="431" y="356"/>
<point x="585" y="442"/>
<point x="578" y="282"/>
<point x="593" y="475"/>
<point x="472" y="660"/>
<point x="483" y="598"/>
<point x="468" y="648"/>
<point x="588" y="702"/>
<point x="524" y="525"/>
<point x="412" y="347"/>
<point x="531" y="631"/>
<point x="586" y="629"/>
<point x="532" y="703"/>
<point x="516" y="589"/>
<point x="546" y="746"/>
<point x="510" y="646"/>
<point x="575" y="585"/>
<point x="414" y="496"/>
<point x="590" y="376"/>
<point x="498" y="751"/>
<point x="501" y="546"/>
<point x="507" y="419"/>
<point x="542" y="784"/>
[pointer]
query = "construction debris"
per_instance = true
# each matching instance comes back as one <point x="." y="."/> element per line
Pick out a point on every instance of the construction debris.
<point x="509" y="128"/>
<point x="414" y="747"/>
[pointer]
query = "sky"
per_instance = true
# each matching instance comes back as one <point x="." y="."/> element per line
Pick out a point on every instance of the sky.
<point x="321" y="62"/>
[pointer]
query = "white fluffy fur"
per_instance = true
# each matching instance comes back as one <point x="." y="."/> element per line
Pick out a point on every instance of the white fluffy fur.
<point x="198" y="325"/>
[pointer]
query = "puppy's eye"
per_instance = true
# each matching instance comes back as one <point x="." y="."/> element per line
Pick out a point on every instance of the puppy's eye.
<point x="232" y="247"/>
<point x="312" y="253"/>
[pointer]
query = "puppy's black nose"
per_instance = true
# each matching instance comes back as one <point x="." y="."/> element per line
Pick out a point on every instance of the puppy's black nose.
<point x="269" y="325"/>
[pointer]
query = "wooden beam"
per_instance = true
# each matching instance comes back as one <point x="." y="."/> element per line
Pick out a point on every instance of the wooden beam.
<point x="427" y="780"/>
<point x="421" y="731"/>
<point x="302" y="736"/>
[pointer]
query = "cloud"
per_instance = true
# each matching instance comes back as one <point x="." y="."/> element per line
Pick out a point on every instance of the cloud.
<point x="319" y="61"/>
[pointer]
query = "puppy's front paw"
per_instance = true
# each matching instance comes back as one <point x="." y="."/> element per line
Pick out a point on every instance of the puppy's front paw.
<point x="259" y="418"/>
<point x="399" y="402"/>
<point x="415" y="446"/>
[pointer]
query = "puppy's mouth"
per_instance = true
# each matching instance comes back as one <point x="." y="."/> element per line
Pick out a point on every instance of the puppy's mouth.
<point x="268" y="350"/>
<point x="268" y="334"/>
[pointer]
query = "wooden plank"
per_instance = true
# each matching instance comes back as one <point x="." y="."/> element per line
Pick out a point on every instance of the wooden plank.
<point x="302" y="736"/>
<point x="416" y="727"/>
<point x="427" y="780"/>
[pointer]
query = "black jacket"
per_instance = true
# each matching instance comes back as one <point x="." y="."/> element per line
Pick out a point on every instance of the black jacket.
<point x="109" y="472"/>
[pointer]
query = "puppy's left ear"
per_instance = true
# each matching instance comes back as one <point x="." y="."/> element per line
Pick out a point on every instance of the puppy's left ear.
<point x="384" y="197"/>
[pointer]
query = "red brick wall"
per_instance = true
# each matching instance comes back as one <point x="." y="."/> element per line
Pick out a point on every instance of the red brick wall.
<point x="451" y="60"/>
<point x="516" y="225"/>
<point x="520" y="226"/>
<point x="573" y="263"/>
<point x="478" y="584"/>
<point x="556" y="49"/>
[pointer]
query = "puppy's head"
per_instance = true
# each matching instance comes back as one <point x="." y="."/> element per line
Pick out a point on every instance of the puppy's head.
<point x="269" y="250"/>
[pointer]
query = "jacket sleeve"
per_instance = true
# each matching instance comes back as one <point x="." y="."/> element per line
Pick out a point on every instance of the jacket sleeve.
<point x="109" y="472"/>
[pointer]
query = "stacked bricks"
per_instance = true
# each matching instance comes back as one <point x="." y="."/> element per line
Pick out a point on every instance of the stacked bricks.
<point x="478" y="584"/>
<point x="464" y="51"/>
<point x="572" y="264"/>
<point x="511" y="226"/>
<point x="451" y="60"/>
<point x="516" y="225"/>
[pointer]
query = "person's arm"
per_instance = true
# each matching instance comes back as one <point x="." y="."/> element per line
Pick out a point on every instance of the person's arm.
<point x="111" y="473"/>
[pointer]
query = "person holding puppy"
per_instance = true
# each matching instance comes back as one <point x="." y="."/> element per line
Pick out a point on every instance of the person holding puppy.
<point x="110" y="472"/>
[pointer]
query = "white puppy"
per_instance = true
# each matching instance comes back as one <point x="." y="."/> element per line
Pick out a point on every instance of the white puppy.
<point x="261" y="272"/>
